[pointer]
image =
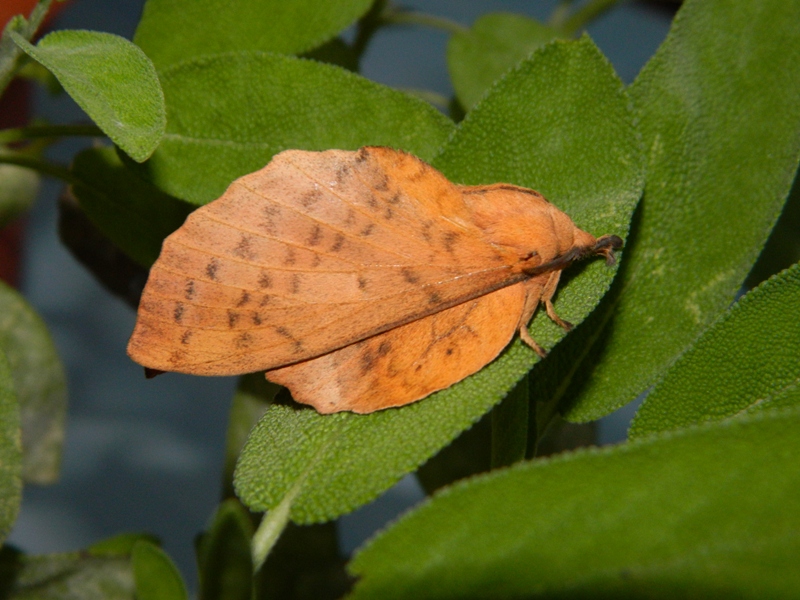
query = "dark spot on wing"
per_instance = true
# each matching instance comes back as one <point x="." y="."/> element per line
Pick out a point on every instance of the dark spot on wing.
<point x="316" y="262"/>
<point x="295" y="285"/>
<point x="177" y="356"/>
<point x="434" y="298"/>
<point x="362" y="283"/>
<point x="409" y="275"/>
<point x="338" y="242"/>
<point x="422" y="171"/>
<point x="372" y="201"/>
<point x="362" y="155"/>
<point x="264" y="280"/>
<point x="298" y="345"/>
<point x="426" y="231"/>
<point x="449" y="352"/>
<point x="351" y="217"/>
<point x="316" y="235"/>
<point x="211" y="269"/>
<point x="367" y="361"/>
<point x="382" y="184"/>
<point x="177" y="314"/>
<point x="243" y="248"/>
<point x="233" y="316"/>
<point x="449" y="240"/>
<point x="384" y="348"/>
<point x="243" y="299"/>
<point x="271" y="213"/>
<point x="265" y="300"/>
<point x="367" y="230"/>
<point x="244" y="340"/>
<point x="395" y="198"/>
<point x="189" y="290"/>
<point x="291" y="256"/>
<point x="256" y="319"/>
<point x="342" y="172"/>
<point x="310" y="198"/>
<point x="187" y="335"/>
<point x="388" y="213"/>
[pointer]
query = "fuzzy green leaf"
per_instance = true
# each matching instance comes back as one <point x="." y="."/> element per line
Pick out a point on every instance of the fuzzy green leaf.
<point x="156" y="576"/>
<point x="131" y="212"/>
<point x="40" y="385"/>
<point x="640" y="520"/>
<point x="18" y="189"/>
<point x="720" y="119"/>
<point x="325" y="466"/>
<point x="256" y="105"/>
<point x="748" y="360"/>
<point x="70" y="575"/>
<point x="10" y="451"/>
<point x="112" y="80"/>
<point x="223" y="555"/>
<point x="476" y="58"/>
<point x="172" y="31"/>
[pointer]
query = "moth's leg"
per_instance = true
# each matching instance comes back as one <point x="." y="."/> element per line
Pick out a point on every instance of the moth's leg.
<point x="547" y="297"/>
<point x="532" y="298"/>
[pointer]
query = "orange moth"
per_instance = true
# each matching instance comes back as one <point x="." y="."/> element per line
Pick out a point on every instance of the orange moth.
<point x="360" y="280"/>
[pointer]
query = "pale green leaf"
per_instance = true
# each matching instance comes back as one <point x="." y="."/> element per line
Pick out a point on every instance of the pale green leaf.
<point x="720" y="119"/>
<point x="155" y="575"/>
<point x="711" y="513"/>
<point x="18" y="189"/>
<point x="112" y="80"/>
<point x="258" y="104"/>
<point x="748" y="360"/>
<point x="172" y="31"/>
<point x="223" y="555"/>
<point x="477" y="57"/>
<point x="10" y="452"/>
<point x="40" y="385"/>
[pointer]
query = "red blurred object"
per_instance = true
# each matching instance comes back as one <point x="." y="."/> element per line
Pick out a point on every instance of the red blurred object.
<point x="15" y="112"/>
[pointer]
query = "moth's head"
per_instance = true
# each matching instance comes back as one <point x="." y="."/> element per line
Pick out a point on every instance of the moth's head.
<point x="605" y="245"/>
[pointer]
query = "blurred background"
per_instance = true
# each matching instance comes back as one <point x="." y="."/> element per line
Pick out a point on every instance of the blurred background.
<point x="147" y="455"/>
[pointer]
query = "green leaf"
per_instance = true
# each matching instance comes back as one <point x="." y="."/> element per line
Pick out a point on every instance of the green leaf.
<point x="40" y="385"/>
<point x="112" y="80"/>
<point x="120" y="545"/>
<point x="476" y="58"/>
<point x="748" y="360"/>
<point x="722" y="133"/>
<point x="326" y="466"/>
<point x="256" y="105"/>
<point x="156" y="577"/>
<point x="130" y="211"/>
<point x="10" y="452"/>
<point x="77" y="575"/>
<point x="250" y="402"/>
<point x="172" y="31"/>
<point x="223" y="555"/>
<point x="712" y="513"/>
<point x="18" y="189"/>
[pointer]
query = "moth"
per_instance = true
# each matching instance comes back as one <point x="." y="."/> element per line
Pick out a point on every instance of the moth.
<point x="359" y="280"/>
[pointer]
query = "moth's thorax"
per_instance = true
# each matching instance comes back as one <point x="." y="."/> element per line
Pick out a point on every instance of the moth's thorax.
<point x="522" y="221"/>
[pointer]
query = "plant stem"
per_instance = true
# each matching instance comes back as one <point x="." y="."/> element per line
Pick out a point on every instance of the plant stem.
<point x="581" y="17"/>
<point x="269" y="530"/>
<point x="8" y="136"/>
<point x="404" y="17"/>
<point x="41" y="166"/>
